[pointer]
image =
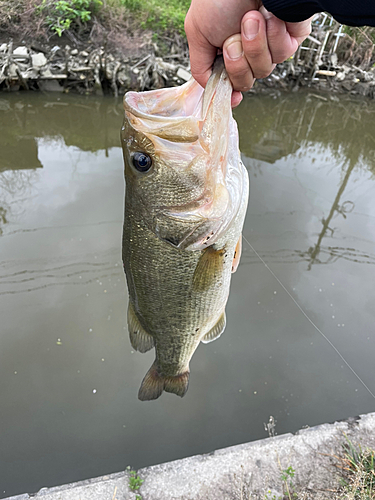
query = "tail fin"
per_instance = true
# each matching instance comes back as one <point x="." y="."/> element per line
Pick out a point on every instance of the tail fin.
<point x="154" y="384"/>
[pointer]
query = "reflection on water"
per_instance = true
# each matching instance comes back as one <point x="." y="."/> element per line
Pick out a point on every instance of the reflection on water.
<point x="345" y="129"/>
<point x="69" y="378"/>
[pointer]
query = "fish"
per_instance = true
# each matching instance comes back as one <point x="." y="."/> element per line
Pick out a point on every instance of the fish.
<point x="185" y="203"/>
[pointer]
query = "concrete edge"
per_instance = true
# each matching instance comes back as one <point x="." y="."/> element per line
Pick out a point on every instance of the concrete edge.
<point x="248" y="470"/>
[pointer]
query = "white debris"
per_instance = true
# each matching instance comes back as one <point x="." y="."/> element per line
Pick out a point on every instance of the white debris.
<point x="38" y="60"/>
<point x="183" y="74"/>
<point x="21" y="51"/>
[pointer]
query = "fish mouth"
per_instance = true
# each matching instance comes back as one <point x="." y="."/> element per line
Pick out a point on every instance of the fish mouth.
<point x="195" y="124"/>
<point x="173" y="114"/>
<point x="163" y="112"/>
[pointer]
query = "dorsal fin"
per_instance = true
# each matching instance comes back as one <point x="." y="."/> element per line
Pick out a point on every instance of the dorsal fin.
<point x="139" y="338"/>
<point x="216" y="331"/>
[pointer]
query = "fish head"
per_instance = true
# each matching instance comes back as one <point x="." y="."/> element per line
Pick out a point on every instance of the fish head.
<point x="181" y="158"/>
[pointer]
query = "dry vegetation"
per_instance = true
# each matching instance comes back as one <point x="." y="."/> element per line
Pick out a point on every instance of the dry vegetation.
<point x="98" y="21"/>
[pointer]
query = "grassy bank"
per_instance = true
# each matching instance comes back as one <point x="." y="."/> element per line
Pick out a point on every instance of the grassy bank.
<point x="159" y="14"/>
<point x="47" y="18"/>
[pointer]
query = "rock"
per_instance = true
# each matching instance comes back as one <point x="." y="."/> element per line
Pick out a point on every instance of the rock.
<point x="348" y="85"/>
<point x="46" y="73"/>
<point x="84" y="54"/>
<point x="340" y="76"/>
<point x="31" y="74"/>
<point x="368" y="76"/>
<point x="183" y="74"/>
<point x="362" y="88"/>
<point x="38" y="60"/>
<point x="21" y="51"/>
<point x="166" y="66"/>
<point x="50" y="86"/>
<point x="3" y="47"/>
<point x="334" y="59"/>
<point x="74" y="52"/>
<point x="12" y="71"/>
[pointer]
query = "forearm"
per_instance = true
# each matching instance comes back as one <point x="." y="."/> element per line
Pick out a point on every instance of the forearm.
<point x="351" y="12"/>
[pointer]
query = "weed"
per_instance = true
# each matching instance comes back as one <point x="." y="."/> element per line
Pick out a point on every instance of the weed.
<point x="286" y="477"/>
<point x="135" y="482"/>
<point x="274" y="497"/>
<point x="360" y="468"/>
<point x="61" y="15"/>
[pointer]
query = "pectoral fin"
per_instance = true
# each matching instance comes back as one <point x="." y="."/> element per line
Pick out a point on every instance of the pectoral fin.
<point x="216" y="331"/>
<point x="209" y="269"/>
<point x="139" y="338"/>
<point x="237" y="254"/>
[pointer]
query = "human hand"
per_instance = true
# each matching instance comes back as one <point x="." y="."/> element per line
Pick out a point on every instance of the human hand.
<point x="252" y="39"/>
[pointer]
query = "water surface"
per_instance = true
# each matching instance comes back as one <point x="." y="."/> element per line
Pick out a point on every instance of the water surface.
<point x="69" y="377"/>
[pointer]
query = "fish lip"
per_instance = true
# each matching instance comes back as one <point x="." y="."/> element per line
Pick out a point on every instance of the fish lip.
<point x="132" y="99"/>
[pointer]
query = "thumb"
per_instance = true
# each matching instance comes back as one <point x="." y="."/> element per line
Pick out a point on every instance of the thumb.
<point x="202" y="53"/>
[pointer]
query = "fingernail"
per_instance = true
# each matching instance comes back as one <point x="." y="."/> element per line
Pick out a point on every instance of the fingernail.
<point x="251" y="28"/>
<point x="234" y="50"/>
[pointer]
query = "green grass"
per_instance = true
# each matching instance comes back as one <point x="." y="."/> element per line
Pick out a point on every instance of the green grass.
<point x="157" y="14"/>
<point x="58" y="16"/>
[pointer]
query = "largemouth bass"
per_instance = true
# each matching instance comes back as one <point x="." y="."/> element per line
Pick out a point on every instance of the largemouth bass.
<point x="185" y="204"/>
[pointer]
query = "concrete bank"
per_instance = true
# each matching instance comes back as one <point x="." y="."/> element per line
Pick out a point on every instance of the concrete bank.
<point x="243" y="472"/>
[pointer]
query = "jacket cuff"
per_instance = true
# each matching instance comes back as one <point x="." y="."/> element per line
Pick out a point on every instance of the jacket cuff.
<point x="293" y="11"/>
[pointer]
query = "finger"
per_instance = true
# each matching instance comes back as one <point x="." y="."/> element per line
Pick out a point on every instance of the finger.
<point x="202" y="53"/>
<point x="300" y="31"/>
<point x="236" y="64"/>
<point x="284" y="38"/>
<point x="236" y="98"/>
<point x="255" y="45"/>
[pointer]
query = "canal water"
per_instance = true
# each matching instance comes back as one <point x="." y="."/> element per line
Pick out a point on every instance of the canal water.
<point x="68" y="375"/>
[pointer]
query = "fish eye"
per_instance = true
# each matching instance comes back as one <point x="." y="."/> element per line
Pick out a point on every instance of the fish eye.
<point x="142" y="162"/>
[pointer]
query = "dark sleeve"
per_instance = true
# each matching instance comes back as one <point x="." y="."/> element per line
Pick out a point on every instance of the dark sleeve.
<point x="351" y="12"/>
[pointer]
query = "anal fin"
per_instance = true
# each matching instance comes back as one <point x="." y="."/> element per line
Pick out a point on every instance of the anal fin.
<point x="139" y="338"/>
<point x="237" y="254"/>
<point x="216" y="331"/>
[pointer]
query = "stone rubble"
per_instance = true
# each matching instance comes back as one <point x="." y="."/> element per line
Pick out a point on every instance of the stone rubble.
<point x="322" y="62"/>
<point x="86" y="71"/>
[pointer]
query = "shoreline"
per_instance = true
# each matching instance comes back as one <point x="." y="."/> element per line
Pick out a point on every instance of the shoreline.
<point x="246" y="471"/>
<point x="99" y="72"/>
<point x="329" y="60"/>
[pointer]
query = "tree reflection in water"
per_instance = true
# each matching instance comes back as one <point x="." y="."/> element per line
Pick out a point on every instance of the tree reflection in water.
<point x="340" y="125"/>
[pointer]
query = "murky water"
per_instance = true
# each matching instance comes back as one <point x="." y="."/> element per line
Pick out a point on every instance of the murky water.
<point x="68" y="375"/>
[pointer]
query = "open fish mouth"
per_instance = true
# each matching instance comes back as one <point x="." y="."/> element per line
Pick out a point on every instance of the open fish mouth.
<point x="192" y="129"/>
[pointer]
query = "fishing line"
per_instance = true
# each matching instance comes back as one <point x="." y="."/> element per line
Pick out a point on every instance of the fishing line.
<point x="310" y="320"/>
